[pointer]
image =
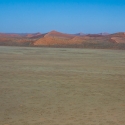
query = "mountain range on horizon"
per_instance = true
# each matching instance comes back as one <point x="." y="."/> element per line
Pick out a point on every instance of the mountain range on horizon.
<point x="79" y="33"/>
<point x="58" y="39"/>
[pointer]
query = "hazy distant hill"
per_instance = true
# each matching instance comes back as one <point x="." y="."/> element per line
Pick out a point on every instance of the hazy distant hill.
<point x="58" y="39"/>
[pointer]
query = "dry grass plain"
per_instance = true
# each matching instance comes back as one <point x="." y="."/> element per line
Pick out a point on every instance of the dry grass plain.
<point x="61" y="86"/>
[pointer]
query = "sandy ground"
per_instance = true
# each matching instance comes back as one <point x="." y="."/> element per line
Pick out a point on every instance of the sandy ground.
<point x="52" y="86"/>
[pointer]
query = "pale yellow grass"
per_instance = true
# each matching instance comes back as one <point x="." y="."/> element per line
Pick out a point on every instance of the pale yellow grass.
<point x="50" y="86"/>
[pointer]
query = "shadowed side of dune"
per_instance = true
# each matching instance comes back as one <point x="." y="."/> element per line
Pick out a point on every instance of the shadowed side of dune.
<point x="58" y="39"/>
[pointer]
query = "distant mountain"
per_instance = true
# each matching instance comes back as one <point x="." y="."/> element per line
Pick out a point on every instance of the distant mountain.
<point x="104" y="34"/>
<point x="80" y="34"/>
<point x="58" y="39"/>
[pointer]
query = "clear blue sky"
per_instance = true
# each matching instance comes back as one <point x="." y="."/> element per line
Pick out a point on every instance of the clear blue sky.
<point x="69" y="16"/>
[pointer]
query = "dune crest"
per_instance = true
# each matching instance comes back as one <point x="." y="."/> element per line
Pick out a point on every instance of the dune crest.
<point x="58" y="39"/>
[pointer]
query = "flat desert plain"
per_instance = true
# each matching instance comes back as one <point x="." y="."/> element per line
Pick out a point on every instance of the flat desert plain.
<point x="61" y="86"/>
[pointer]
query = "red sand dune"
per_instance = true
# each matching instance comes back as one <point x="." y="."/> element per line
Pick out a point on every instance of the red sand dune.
<point x="58" y="34"/>
<point x="119" y="39"/>
<point x="101" y="40"/>
<point x="9" y="35"/>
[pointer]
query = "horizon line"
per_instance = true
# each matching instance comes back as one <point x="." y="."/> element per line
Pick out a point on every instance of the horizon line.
<point x="58" y="32"/>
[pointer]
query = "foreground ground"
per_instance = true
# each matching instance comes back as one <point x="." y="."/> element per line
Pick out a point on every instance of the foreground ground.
<point x="52" y="86"/>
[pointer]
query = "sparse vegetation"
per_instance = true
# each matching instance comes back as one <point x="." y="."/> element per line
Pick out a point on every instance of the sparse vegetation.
<point x="49" y="86"/>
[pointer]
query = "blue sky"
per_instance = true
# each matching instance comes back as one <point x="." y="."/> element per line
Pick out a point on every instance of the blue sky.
<point x="68" y="16"/>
